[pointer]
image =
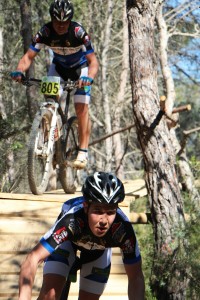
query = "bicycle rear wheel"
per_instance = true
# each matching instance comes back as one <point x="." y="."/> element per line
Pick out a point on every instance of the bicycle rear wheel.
<point x="39" y="161"/>
<point x="67" y="174"/>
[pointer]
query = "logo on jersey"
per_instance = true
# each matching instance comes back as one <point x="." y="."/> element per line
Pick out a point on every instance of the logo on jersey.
<point x="79" y="32"/>
<point x="60" y="235"/>
<point x="118" y="231"/>
<point x="36" y="38"/>
<point x="128" y="246"/>
<point x="87" y="41"/>
<point x="71" y="226"/>
<point x="67" y="43"/>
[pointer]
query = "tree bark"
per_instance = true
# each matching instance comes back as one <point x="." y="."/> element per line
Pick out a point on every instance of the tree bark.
<point x="168" y="281"/>
<point x="187" y="178"/>
<point x="105" y="98"/>
<point x="117" y="142"/>
<point x="26" y="32"/>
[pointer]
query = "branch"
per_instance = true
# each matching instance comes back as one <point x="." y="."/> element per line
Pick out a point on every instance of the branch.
<point x="186" y="74"/>
<point x="186" y="133"/>
<point x="14" y="132"/>
<point x="111" y="134"/>
<point x="181" y="108"/>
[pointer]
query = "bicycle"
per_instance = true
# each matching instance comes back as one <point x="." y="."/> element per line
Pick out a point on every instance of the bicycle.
<point x="53" y="137"/>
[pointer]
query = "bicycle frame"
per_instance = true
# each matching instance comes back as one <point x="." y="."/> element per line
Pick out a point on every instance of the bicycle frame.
<point x="54" y="109"/>
<point x="53" y="141"/>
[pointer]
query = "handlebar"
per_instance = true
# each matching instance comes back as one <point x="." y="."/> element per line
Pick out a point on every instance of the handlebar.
<point x="67" y="85"/>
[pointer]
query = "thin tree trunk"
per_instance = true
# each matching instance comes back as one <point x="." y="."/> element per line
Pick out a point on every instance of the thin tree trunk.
<point x="187" y="177"/>
<point x="105" y="97"/>
<point x="117" y="142"/>
<point x="168" y="281"/>
<point x="7" y="175"/>
<point x="26" y="30"/>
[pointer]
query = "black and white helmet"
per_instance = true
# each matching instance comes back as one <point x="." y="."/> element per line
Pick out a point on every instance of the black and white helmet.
<point x="104" y="188"/>
<point x="61" y="10"/>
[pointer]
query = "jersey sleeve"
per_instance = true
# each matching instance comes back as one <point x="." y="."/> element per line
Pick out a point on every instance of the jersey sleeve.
<point x="38" y="40"/>
<point x="129" y="244"/>
<point x="82" y="35"/>
<point x="58" y="234"/>
<point x="64" y="227"/>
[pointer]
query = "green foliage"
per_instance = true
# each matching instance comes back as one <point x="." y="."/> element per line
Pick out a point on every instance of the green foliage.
<point x="187" y="259"/>
<point x="17" y="146"/>
<point x="145" y="238"/>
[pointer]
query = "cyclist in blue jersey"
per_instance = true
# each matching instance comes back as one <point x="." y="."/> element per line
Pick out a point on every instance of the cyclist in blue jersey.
<point x="92" y="224"/>
<point x="73" y="58"/>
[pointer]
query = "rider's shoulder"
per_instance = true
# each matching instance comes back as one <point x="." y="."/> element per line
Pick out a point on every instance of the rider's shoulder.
<point x="74" y="202"/>
<point x="45" y="30"/>
<point x="78" y="29"/>
<point x="122" y="216"/>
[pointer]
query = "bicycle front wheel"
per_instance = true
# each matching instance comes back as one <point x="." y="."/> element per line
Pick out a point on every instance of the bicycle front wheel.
<point x="67" y="174"/>
<point x="39" y="156"/>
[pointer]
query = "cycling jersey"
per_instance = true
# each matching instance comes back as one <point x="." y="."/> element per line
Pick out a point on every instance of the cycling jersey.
<point x="72" y="225"/>
<point x="69" y="49"/>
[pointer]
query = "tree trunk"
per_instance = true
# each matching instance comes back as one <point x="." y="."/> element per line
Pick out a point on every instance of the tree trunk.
<point x="118" y="148"/>
<point x="26" y="31"/>
<point x="105" y="98"/>
<point x="168" y="281"/>
<point x="187" y="178"/>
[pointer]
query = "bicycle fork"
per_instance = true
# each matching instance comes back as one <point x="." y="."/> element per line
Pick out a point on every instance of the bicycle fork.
<point x="53" y="109"/>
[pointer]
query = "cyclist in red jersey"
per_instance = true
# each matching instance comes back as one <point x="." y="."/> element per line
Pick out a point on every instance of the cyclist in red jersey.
<point x="73" y="58"/>
<point x="92" y="224"/>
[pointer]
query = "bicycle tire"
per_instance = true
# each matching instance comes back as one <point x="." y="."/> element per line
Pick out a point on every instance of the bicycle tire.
<point x="67" y="174"/>
<point x="38" y="163"/>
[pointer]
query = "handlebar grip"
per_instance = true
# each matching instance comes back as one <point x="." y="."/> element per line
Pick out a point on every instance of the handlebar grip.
<point x="16" y="74"/>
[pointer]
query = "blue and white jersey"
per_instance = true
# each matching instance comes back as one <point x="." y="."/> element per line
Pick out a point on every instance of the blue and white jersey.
<point x="69" y="49"/>
<point x="72" y="225"/>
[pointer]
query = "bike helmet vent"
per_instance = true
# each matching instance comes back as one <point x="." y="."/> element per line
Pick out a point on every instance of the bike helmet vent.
<point x="62" y="10"/>
<point x="104" y="188"/>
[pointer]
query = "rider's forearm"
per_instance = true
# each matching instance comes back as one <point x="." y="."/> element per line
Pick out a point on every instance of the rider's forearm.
<point x="26" y="61"/>
<point x="136" y="289"/>
<point x="93" y="65"/>
<point x="93" y="69"/>
<point x="24" y="64"/>
<point x="26" y="279"/>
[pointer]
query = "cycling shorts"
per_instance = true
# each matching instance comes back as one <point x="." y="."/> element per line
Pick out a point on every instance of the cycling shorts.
<point x="81" y="95"/>
<point x="95" y="268"/>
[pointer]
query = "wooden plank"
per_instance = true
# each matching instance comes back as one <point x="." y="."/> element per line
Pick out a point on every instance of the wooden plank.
<point x="55" y="196"/>
<point x="25" y="225"/>
<point x="23" y="208"/>
<point x="117" y="286"/>
<point x="132" y="187"/>
<point x="35" y="208"/>
<point x="20" y="242"/>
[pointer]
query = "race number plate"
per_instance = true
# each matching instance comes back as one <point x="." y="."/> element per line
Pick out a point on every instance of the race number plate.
<point x="50" y="85"/>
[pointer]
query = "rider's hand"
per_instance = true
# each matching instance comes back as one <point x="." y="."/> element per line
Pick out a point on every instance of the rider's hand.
<point x="85" y="81"/>
<point x="17" y="76"/>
